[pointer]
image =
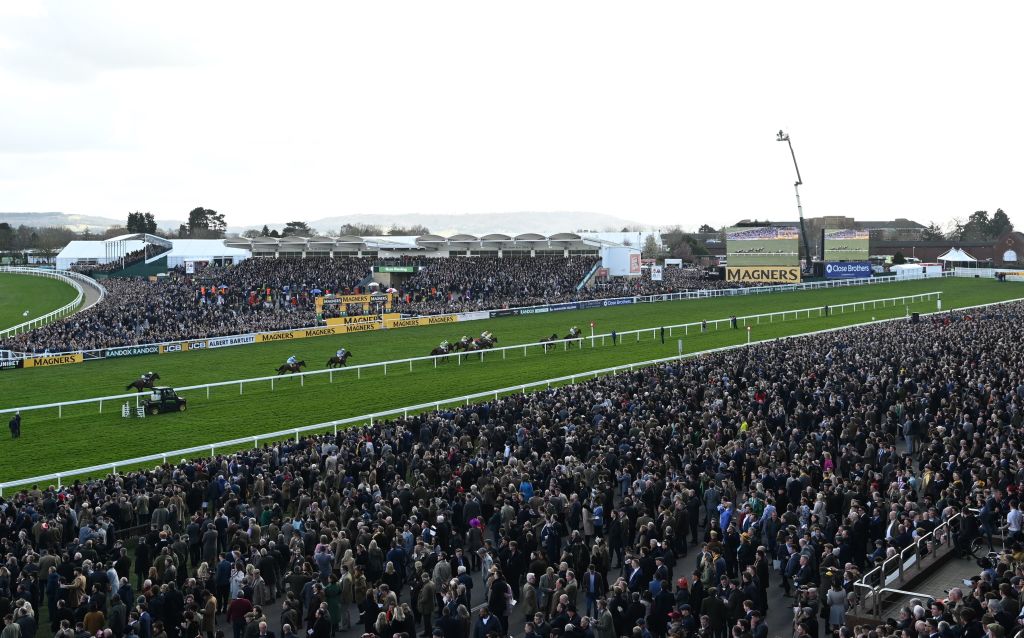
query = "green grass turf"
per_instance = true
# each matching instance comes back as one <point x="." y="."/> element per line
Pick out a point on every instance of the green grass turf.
<point x="38" y="295"/>
<point x="84" y="437"/>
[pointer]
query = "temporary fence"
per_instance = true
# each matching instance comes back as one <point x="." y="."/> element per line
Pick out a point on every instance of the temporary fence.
<point x="368" y="419"/>
<point x="594" y="340"/>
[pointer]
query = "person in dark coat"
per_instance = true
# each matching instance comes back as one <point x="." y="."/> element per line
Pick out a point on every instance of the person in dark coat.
<point x="487" y="623"/>
<point x="497" y="600"/>
<point x="657" y="621"/>
<point x="714" y="608"/>
<point x="321" y="626"/>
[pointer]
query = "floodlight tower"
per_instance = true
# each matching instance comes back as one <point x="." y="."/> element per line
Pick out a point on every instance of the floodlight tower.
<point x="784" y="137"/>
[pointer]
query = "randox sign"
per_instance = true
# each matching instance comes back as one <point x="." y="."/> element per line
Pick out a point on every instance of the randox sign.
<point x="763" y="274"/>
<point x="131" y="351"/>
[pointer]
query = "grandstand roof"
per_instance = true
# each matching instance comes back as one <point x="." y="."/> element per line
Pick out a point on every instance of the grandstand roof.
<point x="410" y="242"/>
<point x="204" y="248"/>
<point x="85" y="249"/>
<point x="143" y="237"/>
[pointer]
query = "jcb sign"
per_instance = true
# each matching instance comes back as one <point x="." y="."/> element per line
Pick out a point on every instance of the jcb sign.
<point x="763" y="274"/>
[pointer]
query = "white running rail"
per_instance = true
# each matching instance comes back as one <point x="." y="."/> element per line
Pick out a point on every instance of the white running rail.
<point x="59" y="313"/>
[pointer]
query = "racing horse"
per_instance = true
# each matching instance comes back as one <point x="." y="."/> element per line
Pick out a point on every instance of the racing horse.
<point x="441" y="352"/>
<point x="143" y="383"/>
<point x="574" y="334"/>
<point x="549" y="342"/>
<point x="288" y="368"/>
<point x="336" y="361"/>
<point x="484" y="344"/>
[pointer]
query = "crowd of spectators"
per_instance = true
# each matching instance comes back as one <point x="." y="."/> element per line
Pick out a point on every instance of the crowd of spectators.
<point x="673" y="279"/>
<point x="129" y="259"/>
<point x="256" y="295"/>
<point x="666" y="501"/>
<point x="465" y="284"/>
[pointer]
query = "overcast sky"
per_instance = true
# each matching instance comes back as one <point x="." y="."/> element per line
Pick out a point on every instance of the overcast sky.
<point x="660" y="112"/>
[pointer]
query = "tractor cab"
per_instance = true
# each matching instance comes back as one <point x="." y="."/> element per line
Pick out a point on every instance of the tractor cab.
<point x="164" y="399"/>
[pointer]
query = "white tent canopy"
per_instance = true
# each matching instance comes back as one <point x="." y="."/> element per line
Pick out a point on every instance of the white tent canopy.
<point x="93" y="252"/>
<point x="956" y="255"/>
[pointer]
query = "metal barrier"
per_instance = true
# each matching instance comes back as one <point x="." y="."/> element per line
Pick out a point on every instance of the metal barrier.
<point x="566" y="344"/>
<point x="909" y="556"/>
<point x="436" y="405"/>
<point x="59" y="313"/>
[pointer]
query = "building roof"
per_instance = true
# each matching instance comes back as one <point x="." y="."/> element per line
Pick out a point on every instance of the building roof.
<point x="143" y="237"/>
<point x="418" y="243"/>
<point x="199" y="248"/>
<point x="86" y="249"/>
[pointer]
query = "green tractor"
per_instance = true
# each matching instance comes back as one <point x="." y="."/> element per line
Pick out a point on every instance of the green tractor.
<point x="164" y="399"/>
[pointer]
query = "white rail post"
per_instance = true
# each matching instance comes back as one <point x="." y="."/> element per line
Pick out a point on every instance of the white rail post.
<point x="207" y="393"/>
<point x="240" y="384"/>
<point x="271" y="384"/>
<point x="410" y="365"/>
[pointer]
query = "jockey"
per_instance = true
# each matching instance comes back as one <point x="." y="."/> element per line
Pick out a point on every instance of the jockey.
<point x="486" y="335"/>
<point x="292" y="360"/>
<point x="147" y="377"/>
<point x="445" y="345"/>
<point x="340" y="353"/>
<point x="574" y="331"/>
<point x="464" y="339"/>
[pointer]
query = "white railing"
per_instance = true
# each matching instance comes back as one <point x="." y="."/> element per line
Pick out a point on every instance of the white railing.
<point x="613" y="337"/>
<point x="59" y="313"/>
<point x="99" y="353"/>
<point x="254" y="440"/>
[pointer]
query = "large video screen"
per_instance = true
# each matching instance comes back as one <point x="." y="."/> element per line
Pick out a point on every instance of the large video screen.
<point x="762" y="246"/>
<point x="845" y="245"/>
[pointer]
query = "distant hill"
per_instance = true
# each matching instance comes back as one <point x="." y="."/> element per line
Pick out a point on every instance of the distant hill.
<point x="77" y="223"/>
<point x="545" y="223"/>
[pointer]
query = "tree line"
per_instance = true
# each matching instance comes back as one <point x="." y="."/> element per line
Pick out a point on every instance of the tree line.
<point x="979" y="226"/>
